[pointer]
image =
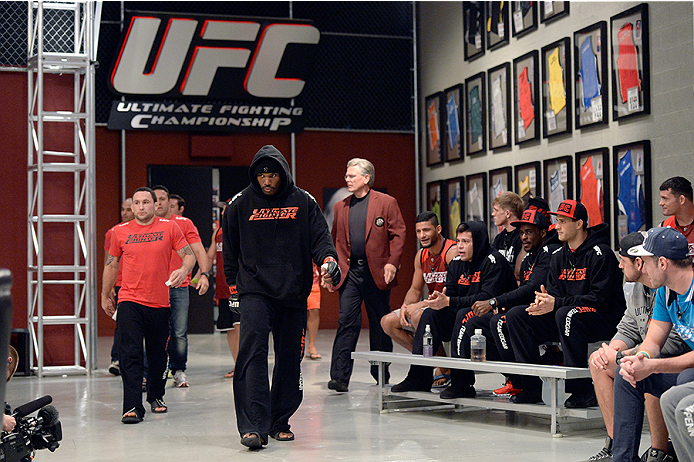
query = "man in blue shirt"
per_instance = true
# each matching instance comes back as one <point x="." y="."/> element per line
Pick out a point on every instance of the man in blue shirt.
<point x="666" y="261"/>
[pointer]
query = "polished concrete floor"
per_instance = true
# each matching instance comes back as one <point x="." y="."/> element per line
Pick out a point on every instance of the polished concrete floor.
<point x="200" y="424"/>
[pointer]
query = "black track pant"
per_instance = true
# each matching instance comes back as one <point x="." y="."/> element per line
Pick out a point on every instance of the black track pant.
<point x="358" y="286"/>
<point x="259" y="408"/>
<point x="463" y="329"/>
<point x="499" y="329"/>
<point x="135" y="323"/>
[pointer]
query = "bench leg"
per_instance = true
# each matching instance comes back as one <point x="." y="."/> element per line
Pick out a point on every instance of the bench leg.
<point x="381" y="388"/>
<point x="554" y="396"/>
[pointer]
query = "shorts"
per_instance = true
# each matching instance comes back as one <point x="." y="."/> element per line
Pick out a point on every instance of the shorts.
<point x="410" y="328"/>
<point x="313" y="300"/>
<point x="226" y="319"/>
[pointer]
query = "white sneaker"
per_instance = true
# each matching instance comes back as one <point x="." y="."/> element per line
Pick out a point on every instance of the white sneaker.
<point x="180" y="380"/>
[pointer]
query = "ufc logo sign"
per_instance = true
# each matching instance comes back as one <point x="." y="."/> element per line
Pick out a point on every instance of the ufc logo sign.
<point x="221" y="58"/>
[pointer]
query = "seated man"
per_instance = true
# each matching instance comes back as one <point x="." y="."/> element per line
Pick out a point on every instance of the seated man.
<point x="630" y="333"/>
<point x="583" y="303"/>
<point x="478" y="273"/>
<point x="506" y="208"/>
<point x="430" y="266"/>
<point x="538" y="245"/>
<point x="666" y="260"/>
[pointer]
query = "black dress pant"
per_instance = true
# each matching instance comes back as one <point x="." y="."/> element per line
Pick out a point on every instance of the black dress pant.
<point x="259" y="408"/>
<point x="135" y="323"/>
<point x="358" y="286"/>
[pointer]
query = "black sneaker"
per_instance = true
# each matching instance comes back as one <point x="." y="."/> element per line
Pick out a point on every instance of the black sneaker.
<point x="409" y="385"/>
<point x="527" y="397"/>
<point x="114" y="368"/>
<point x="605" y="454"/>
<point x="656" y="455"/>
<point x="337" y="385"/>
<point x="453" y="393"/>
<point x="581" y="400"/>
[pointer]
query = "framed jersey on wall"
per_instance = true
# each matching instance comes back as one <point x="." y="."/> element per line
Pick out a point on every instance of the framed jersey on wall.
<point x="593" y="184"/>
<point x="632" y="188"/>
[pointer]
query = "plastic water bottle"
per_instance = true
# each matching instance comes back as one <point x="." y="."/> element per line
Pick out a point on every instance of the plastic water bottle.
<point x="428" y="350"/>
<point x="478" y="346"/>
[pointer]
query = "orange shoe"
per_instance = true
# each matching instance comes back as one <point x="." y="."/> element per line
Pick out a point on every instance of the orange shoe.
<point x="507" y="389"/>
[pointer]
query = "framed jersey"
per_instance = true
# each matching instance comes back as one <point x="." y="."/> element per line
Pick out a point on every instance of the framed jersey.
<point x="528" y="180"/>
<point x="526" y="103"/>
<point x="632" y="188"/>
<point x="558" y="176"/>
<point x="499" y="84"/>
<point x="455" y="189"/>
<point x="551" y="11"/>
<point x="473" y="30"/>
<point x="476" y="115"/>
<point x="590" y="63"/>
<point x="434" y="105"/>
<point x="436" y="200"/>
<point x="593" y="184"/>
<point x="524" y="17"/>
<point x="497" y="26"/>
<point x="476" y="197"/>
<point x="631" y="76"/>
<point x="556" y="88"/>
<point x="454" y="122"/>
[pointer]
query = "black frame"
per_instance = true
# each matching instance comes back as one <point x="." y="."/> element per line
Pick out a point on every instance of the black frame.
<point x="476" y="180"/>
<point x="432" y="188"/>
<point x="596" y="114"/>
<point x="434" y="152"/>
<point x="638" y="102"/>
<point x="453" y="148"/>
<point x="553" y="123"/>
<point x="503" y="71"/>
<point x="601" y="172"/>
<point x="532" y="58"/>
<point x="564" y="166"/>
<point x="505" y="174"/>
<point x="641" y="167"/>
<point x="451" y="185"/>
<point x="556" y="12"/>
<point x="471" y="50"/>
<point x="501" y="37"/>
<point x="529" y="20"/>
<point x="530" y="168"/>
<point x="479" y="146"/>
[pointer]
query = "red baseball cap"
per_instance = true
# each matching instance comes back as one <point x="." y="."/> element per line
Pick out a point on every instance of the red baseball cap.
<point x="572" y="209"/>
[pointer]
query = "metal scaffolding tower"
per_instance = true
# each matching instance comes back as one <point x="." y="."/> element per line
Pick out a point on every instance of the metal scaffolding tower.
<point x="61" y="228"/>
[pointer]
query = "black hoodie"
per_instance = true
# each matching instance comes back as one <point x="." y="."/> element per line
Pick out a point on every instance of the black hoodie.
<point x="485" y="277"/>
<point x="269" y="242"/>
<point x="588" y="276"/>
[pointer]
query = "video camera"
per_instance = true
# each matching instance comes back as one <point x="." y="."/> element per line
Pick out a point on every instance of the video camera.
<point x="31" y="433"/>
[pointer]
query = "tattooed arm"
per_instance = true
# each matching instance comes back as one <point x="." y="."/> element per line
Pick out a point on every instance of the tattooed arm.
<point x="177" y="277"/>
<point x="108" y="301"/>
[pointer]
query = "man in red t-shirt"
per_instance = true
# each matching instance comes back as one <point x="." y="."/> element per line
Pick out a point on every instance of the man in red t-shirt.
<point x="180" y="296"/>
<point x="126" y="214"/>
<point x="142" y="248"/>
<point x="676" y="202"/>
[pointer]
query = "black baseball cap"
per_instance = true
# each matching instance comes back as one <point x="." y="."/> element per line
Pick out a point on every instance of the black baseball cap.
<point x="629" y="241"/>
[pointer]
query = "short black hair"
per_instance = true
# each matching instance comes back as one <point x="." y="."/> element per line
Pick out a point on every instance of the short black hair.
<point x="687" y="262"/>
<point x="431" y="217"/>
<point x="680" y="187"/>
<point x="162" y="188"/>
<point x="181" y="202"/>
<point x="463" y="227"/>
<point x="149" y="190"/>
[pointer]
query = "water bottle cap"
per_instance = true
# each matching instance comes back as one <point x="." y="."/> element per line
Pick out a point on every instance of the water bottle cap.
<point x="427" y="328"/>
<point x="478" y="331"/>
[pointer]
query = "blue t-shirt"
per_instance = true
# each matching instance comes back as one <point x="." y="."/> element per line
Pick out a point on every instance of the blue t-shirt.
<point x="677" y="309"/>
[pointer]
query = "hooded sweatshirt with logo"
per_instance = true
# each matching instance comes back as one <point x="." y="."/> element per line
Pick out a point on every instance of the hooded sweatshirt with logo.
<point x="588" y="276"/>
<point x="486" y="276"/>
<point x="270" y="242"/>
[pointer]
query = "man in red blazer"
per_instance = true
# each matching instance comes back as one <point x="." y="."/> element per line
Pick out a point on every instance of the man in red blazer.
<point x="369" y="234"/>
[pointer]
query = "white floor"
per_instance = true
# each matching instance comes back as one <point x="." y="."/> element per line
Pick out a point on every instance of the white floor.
<point x="200" y="424"/>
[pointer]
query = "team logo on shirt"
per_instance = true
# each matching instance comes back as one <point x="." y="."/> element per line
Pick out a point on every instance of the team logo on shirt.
<point x="146" y="237"/>
<point x="466" y="280"/>
<point x="434" y="278"/>
<point x="274" y="213"/>
<point x="578" y="274"/>
<point x="380" y="221"/>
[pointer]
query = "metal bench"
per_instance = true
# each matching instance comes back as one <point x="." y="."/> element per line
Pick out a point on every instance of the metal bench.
<point x="551" y="374"/>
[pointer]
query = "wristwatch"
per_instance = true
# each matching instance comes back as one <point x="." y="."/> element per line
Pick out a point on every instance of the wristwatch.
<point x="492" y="302"/>
<point x="620" y="355"/>
<point x="207" y="274"/>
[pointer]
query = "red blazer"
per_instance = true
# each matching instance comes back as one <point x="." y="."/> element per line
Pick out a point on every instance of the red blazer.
<point x="385" y="236"/>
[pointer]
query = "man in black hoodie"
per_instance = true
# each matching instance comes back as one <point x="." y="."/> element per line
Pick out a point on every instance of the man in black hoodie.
<point x="479" y="272"/>
<point x="272" y="232"/>
<point x="582" y="303"/>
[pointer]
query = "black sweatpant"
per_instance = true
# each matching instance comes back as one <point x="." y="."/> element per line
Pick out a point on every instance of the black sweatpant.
<point x="358" y="286"/>
<point x="137" y="322"/>
<point x="499" y="329"/>
<point x="463" y="329"/>
<point x="259" y="408"/>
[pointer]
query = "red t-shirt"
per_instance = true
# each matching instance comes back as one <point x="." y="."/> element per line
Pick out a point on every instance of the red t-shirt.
<point x="222" y="289"/>
<point x="107" y="245"/>
<point x="145" y="256"/>
<point x="191" y="234"/>
<point x="688" y="231"/>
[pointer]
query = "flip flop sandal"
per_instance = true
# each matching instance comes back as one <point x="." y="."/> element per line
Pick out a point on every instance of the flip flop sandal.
<point x="159" y="403"/>
<point x="229" y="375"/>
<point x="314" y="356"/>
<point x="253" y="441"/>
<point x="277" y="436"/>
<point x="445" y="377"/>
<point x="132" y="419"/>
